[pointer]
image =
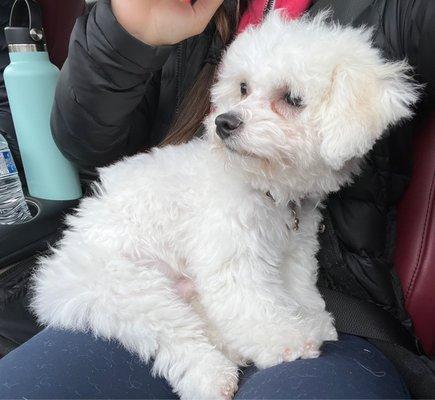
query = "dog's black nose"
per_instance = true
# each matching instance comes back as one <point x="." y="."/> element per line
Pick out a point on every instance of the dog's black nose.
<point x="226" y="124"/>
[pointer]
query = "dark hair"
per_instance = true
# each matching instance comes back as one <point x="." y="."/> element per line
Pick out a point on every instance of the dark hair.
<point x="193" y="107"/>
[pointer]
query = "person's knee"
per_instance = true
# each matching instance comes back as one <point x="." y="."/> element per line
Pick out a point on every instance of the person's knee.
<point x="349" y="368"/>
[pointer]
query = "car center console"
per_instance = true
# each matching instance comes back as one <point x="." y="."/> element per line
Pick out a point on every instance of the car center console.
<point x="20" y="247"/>
<point x="21" y="241"/>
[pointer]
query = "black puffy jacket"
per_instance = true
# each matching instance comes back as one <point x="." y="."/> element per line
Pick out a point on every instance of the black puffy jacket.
<point x="117" y="96"/>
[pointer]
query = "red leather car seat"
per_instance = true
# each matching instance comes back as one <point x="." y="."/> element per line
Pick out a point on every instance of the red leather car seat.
<point x="58" y="18"/>
<point x="415" y="246"/>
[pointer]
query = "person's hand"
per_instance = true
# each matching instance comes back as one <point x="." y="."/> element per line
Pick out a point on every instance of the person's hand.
<point x="163" y="22"/>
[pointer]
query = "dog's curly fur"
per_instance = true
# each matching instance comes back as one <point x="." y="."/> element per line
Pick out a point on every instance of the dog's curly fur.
<point x="182" y="257"/>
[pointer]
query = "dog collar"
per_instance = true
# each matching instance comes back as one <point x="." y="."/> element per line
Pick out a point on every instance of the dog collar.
<point x="291" y="205"/>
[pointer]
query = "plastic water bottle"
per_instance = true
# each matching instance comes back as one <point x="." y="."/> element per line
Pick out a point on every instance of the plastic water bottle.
<point x="13" y="206"/>
<point x="30" y="81"/>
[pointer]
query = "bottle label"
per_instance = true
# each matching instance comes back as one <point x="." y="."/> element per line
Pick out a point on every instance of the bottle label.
<point x="7" y="165"/>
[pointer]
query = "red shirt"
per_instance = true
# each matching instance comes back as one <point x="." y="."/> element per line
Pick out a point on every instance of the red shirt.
<point x="255" y="12"/>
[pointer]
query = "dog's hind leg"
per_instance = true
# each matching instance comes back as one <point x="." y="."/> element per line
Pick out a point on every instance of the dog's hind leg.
<point x="119" y="300"/>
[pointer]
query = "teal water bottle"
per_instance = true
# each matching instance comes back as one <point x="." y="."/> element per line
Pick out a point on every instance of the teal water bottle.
<point x="30" y="81"/>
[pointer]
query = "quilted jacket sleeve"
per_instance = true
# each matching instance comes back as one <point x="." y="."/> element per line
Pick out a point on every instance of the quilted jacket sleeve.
<point x="108" y="91"/>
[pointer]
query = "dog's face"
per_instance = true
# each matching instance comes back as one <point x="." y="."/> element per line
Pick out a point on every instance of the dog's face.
<point x="306" y="97"/>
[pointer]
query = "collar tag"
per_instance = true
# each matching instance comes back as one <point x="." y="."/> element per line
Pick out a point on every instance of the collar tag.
<point x="292" y="207"/>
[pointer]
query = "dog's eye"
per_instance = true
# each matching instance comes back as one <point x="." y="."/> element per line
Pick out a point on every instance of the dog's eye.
<point x="294" y="101"/>
<point x="243" y="89"/>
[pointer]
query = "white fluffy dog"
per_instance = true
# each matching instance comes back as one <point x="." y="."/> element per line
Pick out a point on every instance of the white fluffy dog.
<point x="202" y="256"/>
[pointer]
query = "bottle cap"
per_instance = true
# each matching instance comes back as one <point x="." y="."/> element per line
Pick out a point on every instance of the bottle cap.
<point x="25" y="32"/>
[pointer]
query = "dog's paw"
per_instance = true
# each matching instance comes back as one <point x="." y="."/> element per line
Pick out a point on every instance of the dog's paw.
<point x="330" y="334"/>
<point x="214" y="377"/>
<point x="285" y="348"/>
<point x="305" y="349"/>
<point x="311" y="349"/>
<point x="320" y="328"/>
<point x="271" y="358"/>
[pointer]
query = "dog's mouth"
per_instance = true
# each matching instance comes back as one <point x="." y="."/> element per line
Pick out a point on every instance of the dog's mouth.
<point x="230" y="145"/>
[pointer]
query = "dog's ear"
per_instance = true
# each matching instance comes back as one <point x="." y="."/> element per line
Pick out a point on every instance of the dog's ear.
<point x="366" y="95"/>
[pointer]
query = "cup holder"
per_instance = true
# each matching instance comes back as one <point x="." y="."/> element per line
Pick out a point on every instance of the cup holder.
<point x="33" y="208"/>
<point x="20" y="241"/>
<point x="34" y="212"/>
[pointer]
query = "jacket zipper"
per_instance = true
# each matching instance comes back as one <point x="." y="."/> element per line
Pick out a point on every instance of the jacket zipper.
<point x="269" y="5"/>
<point x="17" y="269"/>
<point x="179" y="73"/>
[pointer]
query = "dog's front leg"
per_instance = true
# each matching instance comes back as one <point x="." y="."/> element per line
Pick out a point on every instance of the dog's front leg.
<point x="300" y="280"/>
<point x="247" y="303"/>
